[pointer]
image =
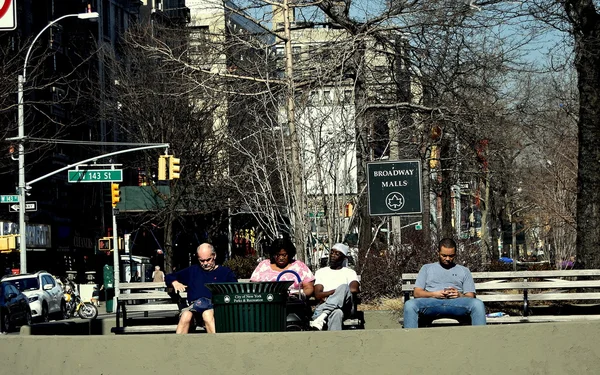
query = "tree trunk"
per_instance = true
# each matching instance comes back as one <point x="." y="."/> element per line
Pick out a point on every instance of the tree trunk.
<point x="586" y="31"/>
<point x="168" y="241"/>
<point x="426" y="192"/>
<point x="362" y="150"/>
<point x="487" y="248"/>
<point x="447" y="230"/>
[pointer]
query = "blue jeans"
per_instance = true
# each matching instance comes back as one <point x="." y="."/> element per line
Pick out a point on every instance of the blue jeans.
<point x="434" y="307"/>
<point x="337" y="306"/>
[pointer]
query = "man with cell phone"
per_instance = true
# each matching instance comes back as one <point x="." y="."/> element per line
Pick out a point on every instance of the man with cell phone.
<point x="444" y="289"/>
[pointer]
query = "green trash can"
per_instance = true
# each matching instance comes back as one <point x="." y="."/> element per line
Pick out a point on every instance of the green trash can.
<point x="250" y="307"/>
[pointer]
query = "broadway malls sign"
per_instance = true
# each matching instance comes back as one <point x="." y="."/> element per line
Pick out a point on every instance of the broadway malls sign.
<point x="394" y="187"/>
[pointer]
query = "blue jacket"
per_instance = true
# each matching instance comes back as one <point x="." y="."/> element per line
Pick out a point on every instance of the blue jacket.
<point x="194" y="277"/>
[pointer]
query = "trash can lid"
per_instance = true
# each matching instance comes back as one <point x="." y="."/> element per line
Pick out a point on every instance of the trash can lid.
<point x="251" y="287"/>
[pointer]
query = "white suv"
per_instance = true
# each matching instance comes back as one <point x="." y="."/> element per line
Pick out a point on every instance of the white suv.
<point x="45" y="295"/>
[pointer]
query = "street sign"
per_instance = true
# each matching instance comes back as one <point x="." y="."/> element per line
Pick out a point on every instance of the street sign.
<point x="9" y="198"/>
<point x="394" y="187"/>
<point x="8" y="15"/>
<point x="29" y="206"/>
<point x="96" y="175"/>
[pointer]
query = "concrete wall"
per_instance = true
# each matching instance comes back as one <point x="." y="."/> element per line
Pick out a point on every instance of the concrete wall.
<point x="545" y="348"/>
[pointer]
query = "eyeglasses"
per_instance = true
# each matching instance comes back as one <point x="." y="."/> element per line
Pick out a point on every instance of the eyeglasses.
<point x="205" y="260"/>
<point x="281" y="255"/>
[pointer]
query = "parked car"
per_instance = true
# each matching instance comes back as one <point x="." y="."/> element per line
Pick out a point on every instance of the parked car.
<point x="45" y="295"/>
<point x="14" y="307"/>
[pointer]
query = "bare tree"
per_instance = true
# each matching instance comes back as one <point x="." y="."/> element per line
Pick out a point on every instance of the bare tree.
<point x="156" y="99"/>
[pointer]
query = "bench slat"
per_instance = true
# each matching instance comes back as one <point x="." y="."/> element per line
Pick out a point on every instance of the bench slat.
<point x="150" y="295"/>
<point x="521" y="274"/>
<point x="563" y="284"/>
<point x="149" y="285"/>
<point x="559" y="284"/>
<point x="152" y="307"/>
<point x="563" y="296"/>
<point x="501" y="297"/>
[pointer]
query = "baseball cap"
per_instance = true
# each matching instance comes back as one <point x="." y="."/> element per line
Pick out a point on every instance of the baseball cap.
<point x="341" y="248"/>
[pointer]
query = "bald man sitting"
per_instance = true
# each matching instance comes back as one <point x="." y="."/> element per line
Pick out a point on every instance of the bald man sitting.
<point x="199" y="296"/>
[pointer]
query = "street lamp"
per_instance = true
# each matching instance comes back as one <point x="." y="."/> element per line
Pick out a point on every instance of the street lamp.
<point x="21" y="138"/>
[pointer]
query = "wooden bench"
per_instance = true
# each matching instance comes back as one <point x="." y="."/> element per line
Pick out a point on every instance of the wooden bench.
<point x="146" y="298"/>
<point x="525" y="287"/>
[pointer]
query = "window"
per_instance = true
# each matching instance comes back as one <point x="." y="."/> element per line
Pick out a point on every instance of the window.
<point x="11" y="289"/>
<point x="327" y="97"/>
<point x="48" y="280"/>
<point x="30" y="283"/>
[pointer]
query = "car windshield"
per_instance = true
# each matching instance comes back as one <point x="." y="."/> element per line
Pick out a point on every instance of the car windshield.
<point x="25" y="284"/>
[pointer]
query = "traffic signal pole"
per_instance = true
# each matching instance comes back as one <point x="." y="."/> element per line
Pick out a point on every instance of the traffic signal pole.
<point x="24" y="186"/>
<point x="115" y="198"/>
<point x="117" y="271"/>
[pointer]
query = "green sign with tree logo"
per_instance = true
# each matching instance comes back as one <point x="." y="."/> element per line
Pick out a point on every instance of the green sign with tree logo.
<point x="394" y="188"/>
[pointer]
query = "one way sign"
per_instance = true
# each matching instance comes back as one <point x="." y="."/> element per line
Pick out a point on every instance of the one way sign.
<point x="29" y="206"/>
<point x="8" y="15"/>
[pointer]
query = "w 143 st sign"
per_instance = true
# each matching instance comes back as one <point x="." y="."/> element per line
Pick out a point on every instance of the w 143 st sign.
<point x="394" y="188"/>
<point x="8" y="15"/>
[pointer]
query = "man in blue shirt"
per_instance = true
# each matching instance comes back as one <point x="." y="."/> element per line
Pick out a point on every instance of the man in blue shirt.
<point x="199" y="296"/>
<point x="444" y="289"/>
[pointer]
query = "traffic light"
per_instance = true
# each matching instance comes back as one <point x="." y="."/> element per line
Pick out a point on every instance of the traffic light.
<point x="162" y="167"/>
<point x="115" y="194"/>
<point x="349" y="210"/>
<point x="8" y="243"/>
<point x="174" y="167"/>
<point x="105" y="244"/>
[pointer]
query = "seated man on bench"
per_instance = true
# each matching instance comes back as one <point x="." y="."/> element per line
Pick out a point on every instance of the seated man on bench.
<point x="334" y="289"/>
<point x="444" y="289"/>
<point x="199" y="296"/>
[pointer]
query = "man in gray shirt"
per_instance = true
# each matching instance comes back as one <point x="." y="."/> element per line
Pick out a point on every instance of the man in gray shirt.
<point x="444" y="289"/>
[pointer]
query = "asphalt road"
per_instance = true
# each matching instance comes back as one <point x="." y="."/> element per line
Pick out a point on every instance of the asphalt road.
<point x="102" y="314"/>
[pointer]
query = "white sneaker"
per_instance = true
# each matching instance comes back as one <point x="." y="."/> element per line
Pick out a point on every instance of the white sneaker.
<point x="318" y="322"/>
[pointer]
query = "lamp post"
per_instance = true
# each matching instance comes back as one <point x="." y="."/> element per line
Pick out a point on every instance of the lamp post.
<point x="21" y="138"/>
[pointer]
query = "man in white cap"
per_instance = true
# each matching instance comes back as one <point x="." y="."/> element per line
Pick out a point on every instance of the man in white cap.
<point x="334" y="286"/>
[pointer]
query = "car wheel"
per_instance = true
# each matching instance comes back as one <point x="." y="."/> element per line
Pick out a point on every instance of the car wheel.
<point x="64" y="312"/>
<point x="6" y="323"/>
<point x="28" y="317"/>
<point x="45" y="314"/>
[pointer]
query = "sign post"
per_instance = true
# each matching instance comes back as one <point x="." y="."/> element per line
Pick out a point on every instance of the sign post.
<point x="394" y="188"/>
